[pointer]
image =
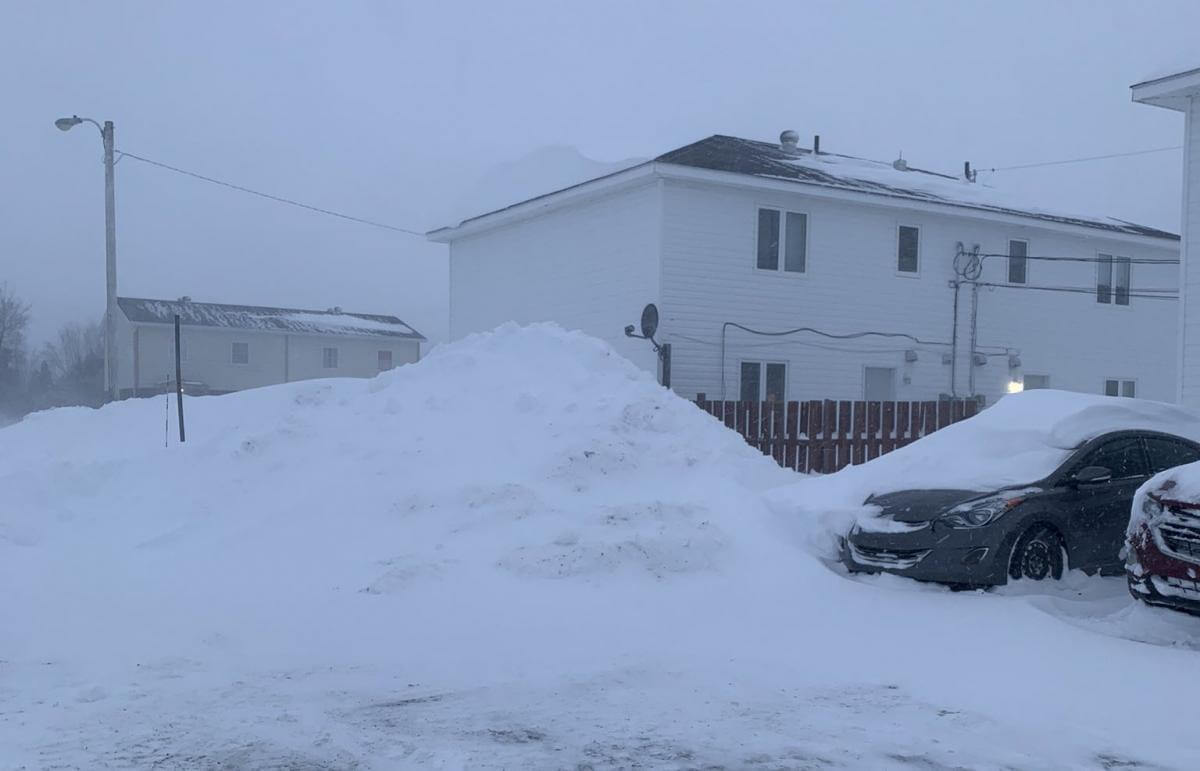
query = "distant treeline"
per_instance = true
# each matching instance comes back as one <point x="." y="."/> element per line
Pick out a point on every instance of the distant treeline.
<point x="67" y="371"/>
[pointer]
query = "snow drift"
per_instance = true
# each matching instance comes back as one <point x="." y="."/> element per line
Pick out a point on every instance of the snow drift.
<point x="521" y="552"/>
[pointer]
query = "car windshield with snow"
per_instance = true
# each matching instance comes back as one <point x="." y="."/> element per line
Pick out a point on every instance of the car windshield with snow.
<point x="1035" y="485"/>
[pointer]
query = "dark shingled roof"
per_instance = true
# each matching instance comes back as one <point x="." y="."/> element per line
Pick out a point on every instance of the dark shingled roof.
<point x="845" y="172"/>
<point x="332" y="322"/>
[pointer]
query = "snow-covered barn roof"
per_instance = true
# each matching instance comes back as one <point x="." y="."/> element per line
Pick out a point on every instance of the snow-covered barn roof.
<point x="330" y="322"/>
<point x="765" y="159"/>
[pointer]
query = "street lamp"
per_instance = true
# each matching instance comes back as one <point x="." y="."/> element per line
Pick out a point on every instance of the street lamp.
<point x="110" y="250"/>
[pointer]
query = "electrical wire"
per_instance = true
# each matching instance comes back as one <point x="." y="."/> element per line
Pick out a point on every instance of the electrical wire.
<point x="260" y="194"/>
<point x="1084" y="160"/>
<point x="1145" y="294"/>
<point x="1114" y="260"/>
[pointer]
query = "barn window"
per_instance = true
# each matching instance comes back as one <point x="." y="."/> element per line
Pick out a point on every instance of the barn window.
<point x="241" y="353"/>
<point x="385" y="360"/>
<point x="329" y="358"/>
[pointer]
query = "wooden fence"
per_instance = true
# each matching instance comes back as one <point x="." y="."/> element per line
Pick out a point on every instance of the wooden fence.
<point x="824" y="436"/>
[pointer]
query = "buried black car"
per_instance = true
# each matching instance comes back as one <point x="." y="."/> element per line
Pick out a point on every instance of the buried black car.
<point x="1074" y="518"/>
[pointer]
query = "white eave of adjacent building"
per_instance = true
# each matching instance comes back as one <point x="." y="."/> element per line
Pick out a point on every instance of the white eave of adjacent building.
<point x="1170" y="91"/>
<point x="645" y="173"/>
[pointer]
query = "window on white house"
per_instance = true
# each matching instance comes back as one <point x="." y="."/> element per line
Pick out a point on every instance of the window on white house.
<point x="329" y="358"/>
<point x="240" y="353"/>
<point x="1018" y="253"/>
<point x="756" y="387"/>
<point x="786" y="231"/>
<point x="1033" y="382"/>
<point x="908" y="249"/>
<point x="1112" y="279"/>
<point x="1118" y="387"/>
<point x="879" y="384"/>
<point x="385" y="360"/>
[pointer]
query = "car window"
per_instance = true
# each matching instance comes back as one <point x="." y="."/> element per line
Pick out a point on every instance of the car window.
<point x="1123" y="457"/>
<point x="1169" y="453"/>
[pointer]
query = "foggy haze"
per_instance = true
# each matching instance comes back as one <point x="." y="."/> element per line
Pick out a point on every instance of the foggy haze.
<point x="394" y="111"/>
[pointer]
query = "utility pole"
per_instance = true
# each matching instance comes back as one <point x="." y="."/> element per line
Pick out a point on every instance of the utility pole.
<point x="110" y="267"/>
<point x="110" y="250"/>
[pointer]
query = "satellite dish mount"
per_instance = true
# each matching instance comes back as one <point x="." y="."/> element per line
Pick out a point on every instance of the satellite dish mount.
<point x="649" y="327"/>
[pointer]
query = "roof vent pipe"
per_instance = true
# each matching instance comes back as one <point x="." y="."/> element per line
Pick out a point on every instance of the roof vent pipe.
<point x="900" y="164"/>
<point x="816" y="144"/>
<point x="789" y="142"/>
<point x="184" y="299"/>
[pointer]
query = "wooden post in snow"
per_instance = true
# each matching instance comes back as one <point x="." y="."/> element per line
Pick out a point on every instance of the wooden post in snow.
<point x="178" y="380"/>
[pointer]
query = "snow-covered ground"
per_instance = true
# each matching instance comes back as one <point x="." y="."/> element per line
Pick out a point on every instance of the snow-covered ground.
<point x="520" y="552"/>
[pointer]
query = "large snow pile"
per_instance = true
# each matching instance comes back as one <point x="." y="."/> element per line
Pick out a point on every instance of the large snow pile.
<point x="520" y="552"/>
<point x="1017" y="441"/>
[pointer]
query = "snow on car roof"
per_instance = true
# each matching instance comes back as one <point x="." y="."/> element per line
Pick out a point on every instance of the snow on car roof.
<point x="1019" y="440"/>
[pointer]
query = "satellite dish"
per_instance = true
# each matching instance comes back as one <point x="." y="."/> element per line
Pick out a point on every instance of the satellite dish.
<point x="649" y="321"/>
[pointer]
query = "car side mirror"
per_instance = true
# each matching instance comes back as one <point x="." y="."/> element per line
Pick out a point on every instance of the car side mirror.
<point x="1092" y="475"/>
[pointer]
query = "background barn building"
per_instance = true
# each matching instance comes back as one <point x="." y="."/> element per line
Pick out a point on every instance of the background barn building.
<point x="890" y="282"/>
<point x="231" y="347"/>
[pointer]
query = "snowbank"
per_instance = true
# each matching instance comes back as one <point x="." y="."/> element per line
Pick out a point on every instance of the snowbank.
<point x="520" y="552"/>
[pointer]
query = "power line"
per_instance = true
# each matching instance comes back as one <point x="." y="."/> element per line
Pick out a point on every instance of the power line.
<point x="1083" y="160"/>
<point x="1146" y="294"/>
<point x="1112" y="259"/>
<point x="269" y="196"/>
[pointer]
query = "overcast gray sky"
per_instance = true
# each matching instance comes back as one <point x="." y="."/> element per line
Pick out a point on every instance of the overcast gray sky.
<point x="391" y="111"/>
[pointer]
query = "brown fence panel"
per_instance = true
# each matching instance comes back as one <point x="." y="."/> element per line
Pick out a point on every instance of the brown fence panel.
<point x="888" y="429"/>
<point x="824" y="436"/>
<point x="873" y="443"/>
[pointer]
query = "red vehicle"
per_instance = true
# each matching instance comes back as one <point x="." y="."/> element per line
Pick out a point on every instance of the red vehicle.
<point x="1162" y="558"/>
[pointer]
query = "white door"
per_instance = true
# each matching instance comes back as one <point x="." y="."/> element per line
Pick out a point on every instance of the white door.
<point x="879" y="384"/>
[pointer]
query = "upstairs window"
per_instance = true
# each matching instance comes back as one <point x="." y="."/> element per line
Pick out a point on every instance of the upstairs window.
<point x="908" y="249"/>
<point x="385" y="361"/>
<point x="1018" y="254"/>
<point x="786" y="232"/>
<point x="240" y="353"/>
<point x="756" y="387"/>
<point x="1112" y="279"/>
<point x="329" y="358"/>
<point x="1118" y="387"/>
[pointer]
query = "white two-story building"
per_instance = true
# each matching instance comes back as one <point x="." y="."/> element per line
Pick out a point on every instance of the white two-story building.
<point x="785" y="272"/>
<point x="227" y="348"/>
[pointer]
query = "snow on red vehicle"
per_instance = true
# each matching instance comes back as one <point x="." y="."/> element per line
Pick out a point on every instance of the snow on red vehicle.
<point x="1162" y="556"/>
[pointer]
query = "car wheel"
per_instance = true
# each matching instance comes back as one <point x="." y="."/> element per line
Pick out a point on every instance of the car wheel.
<point x="1038" y="555"/>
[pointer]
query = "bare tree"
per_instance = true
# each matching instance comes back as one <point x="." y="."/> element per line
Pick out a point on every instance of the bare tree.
<point x="75" y="361"/>
<point x="14" y="319"/>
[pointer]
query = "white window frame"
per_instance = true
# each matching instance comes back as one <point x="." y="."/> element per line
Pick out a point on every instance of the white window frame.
<point x="1008" y="263"/>
<point x="762" y="378"/>
<point x="1121" y="381"/>
<point x="1112" y="289"/>
<point x="1049" y="382"/>
<point x="391" y="355"/>
<point x="325" y="357"/>
<point x="783" y="236"/>
<point x="920" y="247"/>
<point x="233" y="358"/>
